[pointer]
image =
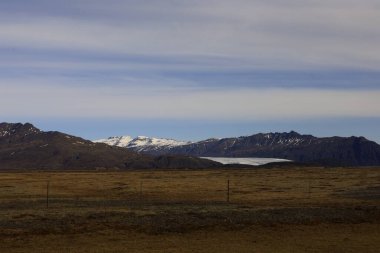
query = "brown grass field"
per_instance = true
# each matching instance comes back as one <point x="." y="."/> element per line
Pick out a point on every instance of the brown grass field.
<point x="269" y="210"/>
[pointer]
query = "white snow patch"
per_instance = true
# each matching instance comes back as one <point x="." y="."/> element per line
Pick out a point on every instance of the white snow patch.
<point x="4" y="133"/>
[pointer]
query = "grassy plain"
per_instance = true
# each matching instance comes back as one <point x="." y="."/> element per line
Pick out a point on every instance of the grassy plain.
<point x="269" y="210"/>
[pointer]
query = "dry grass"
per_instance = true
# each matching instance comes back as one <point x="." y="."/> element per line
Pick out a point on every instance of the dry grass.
<point x="270" y="210"/>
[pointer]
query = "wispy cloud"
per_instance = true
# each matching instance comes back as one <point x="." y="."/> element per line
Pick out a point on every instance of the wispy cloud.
<point x="265" y="34"/>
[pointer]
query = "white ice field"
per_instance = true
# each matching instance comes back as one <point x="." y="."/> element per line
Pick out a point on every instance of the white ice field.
<point x="248" y="160"/>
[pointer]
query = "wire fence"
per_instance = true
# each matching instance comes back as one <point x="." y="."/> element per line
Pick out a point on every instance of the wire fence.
<point x="122" y="190"/>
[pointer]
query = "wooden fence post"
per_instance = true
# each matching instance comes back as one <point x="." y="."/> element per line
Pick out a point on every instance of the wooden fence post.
<point x="47" y="194"/>
<point x="228" y="191"/>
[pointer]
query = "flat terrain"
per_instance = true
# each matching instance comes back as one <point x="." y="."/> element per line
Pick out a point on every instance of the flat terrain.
<point x="266" y="210"/>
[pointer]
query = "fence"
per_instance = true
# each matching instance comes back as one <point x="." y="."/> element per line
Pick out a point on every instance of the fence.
<point x="118" y="190"/>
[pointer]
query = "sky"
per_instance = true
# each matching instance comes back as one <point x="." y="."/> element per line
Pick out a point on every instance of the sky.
<point x="191" y="69"/>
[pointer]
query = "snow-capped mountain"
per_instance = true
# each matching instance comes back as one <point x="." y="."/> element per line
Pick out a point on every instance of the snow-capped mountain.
<point x="142" y="143"/>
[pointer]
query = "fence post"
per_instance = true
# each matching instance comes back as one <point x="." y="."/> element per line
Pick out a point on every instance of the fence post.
<point x="309" y="186"/>
<point x="228" y="191"/>
<point x="47" y="194"/>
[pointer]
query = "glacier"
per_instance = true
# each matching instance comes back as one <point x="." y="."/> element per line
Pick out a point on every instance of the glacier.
<point x="246" y="160"/>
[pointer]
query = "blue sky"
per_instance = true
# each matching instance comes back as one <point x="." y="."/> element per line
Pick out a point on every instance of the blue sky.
<point x="191" y="69"/>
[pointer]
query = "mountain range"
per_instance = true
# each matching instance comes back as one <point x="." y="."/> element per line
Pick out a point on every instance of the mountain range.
<point x="23" y="146"/>
<point x="331" y="151"/>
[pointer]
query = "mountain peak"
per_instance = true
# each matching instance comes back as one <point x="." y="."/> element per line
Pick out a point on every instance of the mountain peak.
<point x="291" y="133"/>
<point x="8" y="129"/>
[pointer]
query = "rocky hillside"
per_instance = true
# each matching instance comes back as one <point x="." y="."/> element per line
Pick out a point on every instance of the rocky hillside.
<point x="23" y="146"/>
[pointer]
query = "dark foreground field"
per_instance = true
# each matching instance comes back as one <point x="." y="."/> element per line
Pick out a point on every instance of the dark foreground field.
<point x="269" y="210"/>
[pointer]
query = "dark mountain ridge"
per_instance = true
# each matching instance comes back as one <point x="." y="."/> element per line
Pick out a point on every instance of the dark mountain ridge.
<point x="23" y="146"/>
<point x="332" y="151"/>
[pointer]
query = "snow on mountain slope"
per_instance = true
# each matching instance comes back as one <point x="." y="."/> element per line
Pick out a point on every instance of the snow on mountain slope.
<point x="142" y="143"/>
<point x="119" y="141"/>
